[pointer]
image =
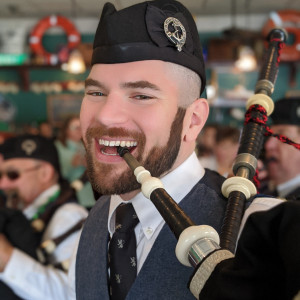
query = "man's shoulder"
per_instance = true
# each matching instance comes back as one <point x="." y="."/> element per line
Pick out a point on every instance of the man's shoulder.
<point x="264" y="202"/>
<point x="212" y="178"/>
<point x="207" y="191"/>
<point x="100" y="206"/>
<point x="294" y="195"/>
<point x="68" y="214"/>
<point x="211" y="181"/>
<point x="72" y="207"/>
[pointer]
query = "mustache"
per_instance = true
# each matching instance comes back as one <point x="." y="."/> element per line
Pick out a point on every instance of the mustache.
<point x="271" y="159"/>
<point x="11" y="193"/>
<point x="115" y="132"/>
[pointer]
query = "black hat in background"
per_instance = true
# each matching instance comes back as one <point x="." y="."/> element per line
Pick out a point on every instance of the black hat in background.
<point x="152" y="30"/>
<point x="286" y="111"/>
<point x="31" y="146"/>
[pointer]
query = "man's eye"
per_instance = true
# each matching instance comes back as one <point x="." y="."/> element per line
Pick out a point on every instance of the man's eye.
<point x="95" y="94"/>
<point x="143" y="97"/>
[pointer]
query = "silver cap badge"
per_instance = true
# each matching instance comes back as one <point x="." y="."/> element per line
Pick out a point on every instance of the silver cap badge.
<point x="28" y="146"/>
<point x="178" y="35"/>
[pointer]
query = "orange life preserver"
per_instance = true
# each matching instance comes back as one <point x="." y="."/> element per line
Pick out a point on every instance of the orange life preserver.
<point x="290" y="21"/>
<point x="42" y="26"/>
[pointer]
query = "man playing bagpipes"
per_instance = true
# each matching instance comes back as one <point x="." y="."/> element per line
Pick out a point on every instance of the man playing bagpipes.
<point x="30" y="173"/>
<point x="143" y="93"/>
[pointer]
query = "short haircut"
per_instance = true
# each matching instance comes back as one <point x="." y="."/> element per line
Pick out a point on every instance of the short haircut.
<point x="189" y="83"/>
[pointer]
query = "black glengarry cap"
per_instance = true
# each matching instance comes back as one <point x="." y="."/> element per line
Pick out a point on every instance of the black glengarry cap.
<point x="286" y="111"/>
<point x="153" y="30"/>
<point x="31" y="146"/>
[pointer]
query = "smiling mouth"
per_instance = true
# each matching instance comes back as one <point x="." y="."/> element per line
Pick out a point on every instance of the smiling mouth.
<point x="110" y="147"/>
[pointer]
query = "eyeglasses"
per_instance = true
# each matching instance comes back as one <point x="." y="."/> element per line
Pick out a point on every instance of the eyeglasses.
<point x="15" y="174"/>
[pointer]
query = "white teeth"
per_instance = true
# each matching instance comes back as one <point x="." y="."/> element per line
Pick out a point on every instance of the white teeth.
<point x="117" y="143"/>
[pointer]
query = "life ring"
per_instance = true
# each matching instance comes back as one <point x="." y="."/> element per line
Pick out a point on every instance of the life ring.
<point x="42" y="26"/>
<point x="290" y="21"/>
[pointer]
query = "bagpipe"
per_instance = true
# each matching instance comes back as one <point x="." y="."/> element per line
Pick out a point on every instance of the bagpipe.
<point x="200" y="246"/>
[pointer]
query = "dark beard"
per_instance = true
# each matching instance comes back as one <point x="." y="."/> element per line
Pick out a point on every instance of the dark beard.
<point x="158" y="161"/>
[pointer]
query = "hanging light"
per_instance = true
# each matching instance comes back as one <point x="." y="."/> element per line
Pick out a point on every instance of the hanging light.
<point x="75" y="63"/>
<point x="246" y="61"/>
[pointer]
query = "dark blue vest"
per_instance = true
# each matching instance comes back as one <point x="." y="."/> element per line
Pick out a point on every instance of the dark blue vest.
<point x="162" y="276"/>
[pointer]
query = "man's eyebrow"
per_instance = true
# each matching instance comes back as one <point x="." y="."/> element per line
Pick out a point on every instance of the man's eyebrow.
<point x="93" y="82"/>
<point x="143" y="84"/>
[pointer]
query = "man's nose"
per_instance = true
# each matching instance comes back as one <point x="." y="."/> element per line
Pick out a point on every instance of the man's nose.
<point x="5" y="183"/>
<point x="114" y="111"/>
<point x="270" y="143"/>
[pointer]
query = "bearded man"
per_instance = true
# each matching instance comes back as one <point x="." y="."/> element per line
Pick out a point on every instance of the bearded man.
<point x="143" y="92"/>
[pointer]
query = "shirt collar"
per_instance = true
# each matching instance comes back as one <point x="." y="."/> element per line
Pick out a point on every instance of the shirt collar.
<point x="32" y="209"/>
<point x="188" y="174"/>
<point x="285" y="188"/>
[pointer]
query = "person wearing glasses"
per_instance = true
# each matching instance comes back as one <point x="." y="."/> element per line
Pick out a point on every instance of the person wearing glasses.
<point x="30" y="172"/>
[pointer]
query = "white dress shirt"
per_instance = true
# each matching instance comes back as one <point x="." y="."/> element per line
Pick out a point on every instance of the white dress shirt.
<point x="28" y="278"/>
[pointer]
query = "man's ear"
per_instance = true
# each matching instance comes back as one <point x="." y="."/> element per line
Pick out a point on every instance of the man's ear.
<point x="46" y="172"/>
<point x="195" y="118"/>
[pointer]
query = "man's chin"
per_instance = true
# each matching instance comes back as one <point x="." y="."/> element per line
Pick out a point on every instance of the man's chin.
<point x="110" y="183"/>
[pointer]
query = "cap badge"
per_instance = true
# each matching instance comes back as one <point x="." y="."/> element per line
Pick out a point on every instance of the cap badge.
<point x="175" y="32"/>
<point x="28" y="146"/>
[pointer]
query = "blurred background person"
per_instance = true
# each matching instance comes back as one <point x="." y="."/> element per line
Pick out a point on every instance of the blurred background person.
<point x="31" y="128"/>
<point x="70" y="149"/>
<point x="226" y="149"/>
<point x="71" y="154"/>
<point x="2" y="195"/>
<point x="46" y="130"/>
<point x="282" y="160"/>
<point x="205" y="146"/>
<point x="3" y="137"/>
<point x="30" y="169"/>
